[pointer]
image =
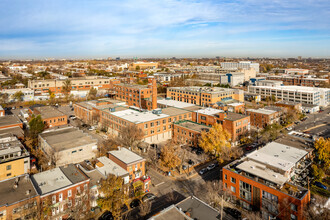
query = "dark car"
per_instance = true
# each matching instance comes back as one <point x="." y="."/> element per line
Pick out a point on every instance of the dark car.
<point x="135" y="203"/>
<point x="20" y="106"/>
<point x="124" y="208"/>
<point x="233" y="212"/>
<point x="106" y="216"/>
<point x="191" y="163"/>
<point x="148" y="197"/>
<point x="320" y="185"/>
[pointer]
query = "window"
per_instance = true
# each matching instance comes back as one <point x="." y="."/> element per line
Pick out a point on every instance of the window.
<point x="69" y="193"/>
<point x="69" y="203"/>
<point x="225" y="176"/>
<point x="85" y="187"/>
<point x="293" y="207"/>
<point x="8" y="167"/>
<point x="145" y="125"/>
<point x="269" y="196"/>
<point x="233" y="180"/>
<point x="78" y="189"/>
<point x="233" y="189"/>
<point x="8" y="174"/>
<point x="60" y="197"/>
<point x="293" y="217"/>
<point x="245" y="190"/>
<point x="151" y="124"/>
<point x="226" y="185"/>
<point x="54" y="199"/>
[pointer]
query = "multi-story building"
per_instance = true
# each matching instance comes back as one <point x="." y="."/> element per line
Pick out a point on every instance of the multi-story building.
<point x="240" y="65"/>
<point x="296" y="71"/>
<point x="235" y="78"/>
<point x="260" y="118"/>
<point x="28" y="94"/>
<point x="263" y="180"/>
<point x="203" y="96"/>
<point x="134" y="165"/>
<point x="11" y="124"/>
<point x="188" y="132"/>
<point x="64" y="191"/>
<point x="300" y="94"/>
<point x="237" y="107"/>
<point x="290" y="105"/>
<point x="67" y="145"/>
<point x="272" y="83"/>
<point x="50" y="116"/>
<point x="42" y="87"/>
<point x="19" y="199"/>
<point x="143" y="66"/>
<point x="14" y="158"/>
<point x="299" y="80"/>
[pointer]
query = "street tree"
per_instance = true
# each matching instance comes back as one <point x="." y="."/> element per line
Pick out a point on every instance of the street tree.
<point x="51" y="97"/>
<point x="130" y="136"/>
<point x="169" y="158"/>
<point x="67" y="87"/>
<point x="36" y="125"/>
<point x="144" y="208"/>
<point x="113" y="195"/>
<point x="271" y="132"/>
<point x="216" y="141"/>
<point x="92" y="93"/>
<point x="322" y="147"/>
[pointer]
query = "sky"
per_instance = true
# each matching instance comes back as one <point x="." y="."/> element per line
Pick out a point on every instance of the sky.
<point x="164" y="28"/>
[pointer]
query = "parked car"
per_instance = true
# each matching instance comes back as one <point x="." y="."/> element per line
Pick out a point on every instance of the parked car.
<point x="72" y="117"/>
<point x="202" y="171"/>
<point x="320" y="185"/>
<point x="184" y="167"/>
<point x="92" y="128"/>
<point x="135" y="203"/>
<point x="148" y="197"/>
<point x="289" y="128"/>
<point x="211" y="167"/>
<point x="106" y="216"/>
<point x="191" y="163"/>
<point x="248" y="148"/>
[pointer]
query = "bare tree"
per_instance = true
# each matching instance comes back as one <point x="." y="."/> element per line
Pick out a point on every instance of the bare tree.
<point x="144" y="208"/>
<point x="130" y="136"/>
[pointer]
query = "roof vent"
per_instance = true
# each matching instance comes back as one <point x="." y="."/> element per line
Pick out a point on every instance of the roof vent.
<point x="275" y="155"/>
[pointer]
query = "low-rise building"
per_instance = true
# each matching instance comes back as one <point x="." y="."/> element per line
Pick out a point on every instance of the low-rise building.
<point x="28" y="94"/>
<point x="10" y="121"/>
<point x="106" y="166"/>
<point x="272" y="83"/>
<point x="263" y="180"/>
<point x="14" y="158"/>
<point x="64" y="191"/>
<point x="51" y="116"/>
<point x="19" y="198"/>
<point x="260" y="118"/>
<point x="290" y="105"/>
<point x="188" y="132"/>
<point x="143" y="65"/>
<point x="67" y="145"/>
<point x="299" y="80"/>
<point x="235" y="78"/>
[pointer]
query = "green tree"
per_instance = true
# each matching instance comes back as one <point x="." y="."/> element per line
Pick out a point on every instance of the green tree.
<point x="322" y="147"/>
<point x="114" y="195"/>
<point x="51" y="97"/>
<point x="216" y="141"/>
<point x="317" y="173"/>
<point x="36" y="125"/>
<point x="18" y="96"/>
<point x="67" y="87"/>
<point x="92" y="93"/>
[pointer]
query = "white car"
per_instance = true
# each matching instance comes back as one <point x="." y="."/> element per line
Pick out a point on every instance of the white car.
<point x="289" y="128"/>
<point x="211" y="167"/>
<point x="91" y="128"/>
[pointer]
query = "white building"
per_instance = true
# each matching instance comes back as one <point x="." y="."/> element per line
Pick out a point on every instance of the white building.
<point x="246" y="65"/>
<point x="235" y="79"/>
<point x="300" y="94"/>
<point x="28" y="94"/>
<point x="271" y="83"/>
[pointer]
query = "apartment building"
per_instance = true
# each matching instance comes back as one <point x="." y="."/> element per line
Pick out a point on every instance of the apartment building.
<point x="42" y="87"/>
<point x="67" y="145"/>
<point x="65" y="190"/>
<point x="272" y="83"/>
<point x="235" y="124"/>
<point x="14" y="158"/>
<point x="263" y="181"/>
<point x="106" y="167"/>
<point x="300" y="94"/>
<point x="143" y="65"/>
<point x="260" y="118"/>
<point x="134" y="165"/>
<point x="296" y="71"/>
<point x="240" y="65"/>
<point x="299" y="80"/>
<point x="50" y="115"/>
<point x="204" y="96"/>
<point x="236" y="107"/>
<point x="18" y="198"/>
<point x="188" y="132"/>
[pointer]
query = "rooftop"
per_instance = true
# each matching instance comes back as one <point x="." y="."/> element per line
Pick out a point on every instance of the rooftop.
<point x="278" y="155"/>
<point x="132" y="86"/>
<point x="10" y="194"/>
<point x="261" y="111"/>
<point x="171" y="212"/>
<point x="73" y="174"/>
<point x="107" y="166"/>
<point x="66" y="138"/>
<point x="126" y="155"/>
<point x="202" y="89"/>
<point x="11" y="147"/>
<point x="138" y="117"/>
<point x="296" y="88"/>
<point x="9" y="120"/>
<point x="48" y="112"/>
<point x="231" y="116"/>
<point x="193" y="126"/>
<point x="174" y="103"/>
<point x="209" y="111"/>
<point x="172" y="111"/>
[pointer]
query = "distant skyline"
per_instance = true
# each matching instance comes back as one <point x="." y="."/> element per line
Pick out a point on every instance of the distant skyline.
<point x="164" y="28"/>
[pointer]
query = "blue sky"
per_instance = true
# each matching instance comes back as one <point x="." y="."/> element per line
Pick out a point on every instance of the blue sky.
<point x="164" y="28"/>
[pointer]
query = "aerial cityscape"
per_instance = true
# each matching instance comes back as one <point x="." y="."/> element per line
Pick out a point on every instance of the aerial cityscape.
<point x="176" y="110"/>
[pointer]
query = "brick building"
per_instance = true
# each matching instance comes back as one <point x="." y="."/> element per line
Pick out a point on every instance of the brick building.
<point x="64" y="191"/>
<point x="263" y="181"/>
<point x="188" y="132"/>
<point x="260" y="118"/>
<point x="14" y="158"/>
<point x="18" y="198"/>
<point x="50" y="116"/>
<point x="289" y="105"/>
<point x="299" y="80"/>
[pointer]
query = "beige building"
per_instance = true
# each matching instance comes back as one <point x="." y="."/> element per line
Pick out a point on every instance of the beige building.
<point x="67" y="145"/>
<point x="143" y="66"/>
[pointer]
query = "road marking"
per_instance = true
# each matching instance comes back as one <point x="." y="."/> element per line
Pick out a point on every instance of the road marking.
<point x="159" y="184"/>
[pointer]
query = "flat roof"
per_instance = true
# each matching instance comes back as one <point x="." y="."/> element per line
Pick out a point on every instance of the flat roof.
<point x="295" y="88"/>
<point x="170" y="212"/>
<point x="261" y="111"/>
<point x="172" y="111"/>
<point x="193" y="126"/>
<point x="138" y="117"/>
<point x="10" y="195"/>
<point x="174" y="103"/>
<point x="231" y="116"/>
<point x="235" y="104"/>
<point x="126" y="155"/>
<point x="67" y="138"/>
<point x="73" y="174"/>
<point x="49" y="112"/>
<point x="262" y="171"/>
<point x="209" y="111"/>
<point x="9" y="120"/>
<point x="107" y="166"/>
<point x="203" y="89"/>
<point x="278" y="155"/>
<point x="133" y="86"/>
<point x="50" y="180"/>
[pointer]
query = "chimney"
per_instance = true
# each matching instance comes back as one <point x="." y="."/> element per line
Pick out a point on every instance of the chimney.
<point x="153" y="86"/>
